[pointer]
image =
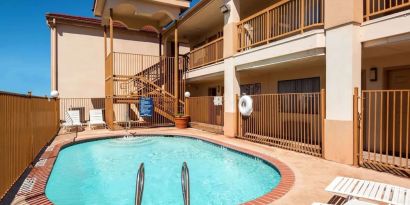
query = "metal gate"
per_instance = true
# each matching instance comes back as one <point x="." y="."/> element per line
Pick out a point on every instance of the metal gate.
<point x="382" y="122"/>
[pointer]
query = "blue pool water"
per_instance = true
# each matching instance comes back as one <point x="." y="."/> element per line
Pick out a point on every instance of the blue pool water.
<point x="104" y="172"/>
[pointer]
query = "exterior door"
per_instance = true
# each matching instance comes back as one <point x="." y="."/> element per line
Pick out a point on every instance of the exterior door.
<point x="399" y="80"/>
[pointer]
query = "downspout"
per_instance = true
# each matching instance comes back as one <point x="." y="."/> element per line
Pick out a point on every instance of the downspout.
<point x="54" y="79"/>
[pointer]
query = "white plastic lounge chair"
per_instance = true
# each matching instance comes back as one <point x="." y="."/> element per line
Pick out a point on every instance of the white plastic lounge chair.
<point x="96" y="118"/>
<point x="350" y="202"/>
<point x="374" y="191"/>
<point x="72" y="119"/>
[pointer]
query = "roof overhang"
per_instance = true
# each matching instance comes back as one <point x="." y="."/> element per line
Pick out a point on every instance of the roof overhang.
<point x="137" y="14"/>
<point x="204" y="18"/>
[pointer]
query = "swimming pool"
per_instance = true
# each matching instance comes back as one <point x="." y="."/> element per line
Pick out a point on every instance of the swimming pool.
<point x="104" y="172"/>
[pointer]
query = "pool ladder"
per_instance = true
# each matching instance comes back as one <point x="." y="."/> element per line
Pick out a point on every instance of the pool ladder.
<point x="184" y="182"/>
<point x="140" y="185"/>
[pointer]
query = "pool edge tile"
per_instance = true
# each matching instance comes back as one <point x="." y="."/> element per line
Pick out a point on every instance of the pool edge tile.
<point x="43" y="173"/>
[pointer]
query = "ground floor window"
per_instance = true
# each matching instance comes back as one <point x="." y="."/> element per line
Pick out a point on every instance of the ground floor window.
<point x="299" y="102"/>
<point x="251" y="89"/>
<point x="305" y="85"/>
<point x="212" y="91"/>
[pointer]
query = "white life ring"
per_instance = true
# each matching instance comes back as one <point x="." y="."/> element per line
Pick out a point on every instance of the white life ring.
<point x="246" y="105"/>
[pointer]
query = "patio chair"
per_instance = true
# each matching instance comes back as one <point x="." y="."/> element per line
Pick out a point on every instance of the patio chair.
<point x="72" y="119"/>
<point x="356" y="189"/>
<point x="96" y="118"/>
<point x="350" y="202"/>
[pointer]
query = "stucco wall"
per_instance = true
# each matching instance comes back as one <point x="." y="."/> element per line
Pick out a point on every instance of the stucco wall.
<point x="382" y="63"/>
<point x="342" y="12"/>
<point x="268" y="79"/>
<point x="80" y="57"/>
<point x="201" y="89"/>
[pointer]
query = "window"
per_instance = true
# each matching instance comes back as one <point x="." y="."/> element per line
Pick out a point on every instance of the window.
<point x="251" y="89"/>
<point x="212" y="92"/>
<point x="306" y="85"/>
<point x="300" y="103"/>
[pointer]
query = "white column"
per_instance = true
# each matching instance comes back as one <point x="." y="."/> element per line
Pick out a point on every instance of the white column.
<point x="343" y="74"/>
<point x="231" y="84"/>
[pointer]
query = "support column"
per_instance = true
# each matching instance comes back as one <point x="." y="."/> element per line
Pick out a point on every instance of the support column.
<point x="54" y="56"/>
<point x="109" y="101"/>
<point x="160" y="44"/>
<point x="231" y="84"/>
<point x="111" y="32"/>
<point x="105" y="42"/>
<point x="176" y="70"/>
<point x="343" y="74"/>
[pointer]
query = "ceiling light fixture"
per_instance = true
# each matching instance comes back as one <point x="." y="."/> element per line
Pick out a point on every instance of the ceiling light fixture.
<point x="224" y="8"/>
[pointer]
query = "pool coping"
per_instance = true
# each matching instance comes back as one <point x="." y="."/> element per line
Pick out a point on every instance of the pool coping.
<point x="33" y="188"/>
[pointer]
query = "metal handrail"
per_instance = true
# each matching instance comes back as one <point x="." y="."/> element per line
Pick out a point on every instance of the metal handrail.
<point x="185" y="183"/>
<point x="140" y="185"/>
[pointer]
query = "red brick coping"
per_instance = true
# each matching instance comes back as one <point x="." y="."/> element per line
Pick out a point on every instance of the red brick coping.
<point x="33" y="189"/>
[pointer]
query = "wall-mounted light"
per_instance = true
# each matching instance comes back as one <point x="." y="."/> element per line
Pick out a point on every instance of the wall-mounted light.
<point x="224" y="8"/>
<point x="54" y="94"/>
<point x="187" y="94"/>
<point x="373" y="74"/>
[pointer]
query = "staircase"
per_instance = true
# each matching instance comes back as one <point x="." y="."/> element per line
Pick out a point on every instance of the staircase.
<point x="154" y="80"/>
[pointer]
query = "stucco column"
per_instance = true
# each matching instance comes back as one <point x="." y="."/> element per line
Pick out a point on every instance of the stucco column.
<point x="343" y="73"/>
<point x="231" y="84"/>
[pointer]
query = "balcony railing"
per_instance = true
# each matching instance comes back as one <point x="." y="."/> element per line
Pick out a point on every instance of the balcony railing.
<point x="280" y="20"/>
<point x="207" y="54"/>
<point x="375" y="8"/>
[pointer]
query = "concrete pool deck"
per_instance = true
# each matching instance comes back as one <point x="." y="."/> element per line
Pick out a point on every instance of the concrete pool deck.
<point x="312" y="174"/>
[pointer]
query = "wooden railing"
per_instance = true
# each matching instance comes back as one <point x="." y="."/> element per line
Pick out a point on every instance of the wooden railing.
<point x="84" y="105"/>
<point x="384" y="137"/>
<point x="27" y="124"/>
<point x="158" y="71"/>
<point x="127" y="112"/>
<point x="290" y="121"/>
<point x="285" y="18"/>
<point x="204" y="110"/>
<point x="132" y="76"/>
<point x="207" y="54"/>
<point x="376" y="8"/>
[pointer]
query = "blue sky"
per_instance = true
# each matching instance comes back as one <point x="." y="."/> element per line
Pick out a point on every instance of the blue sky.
<point x="25" y="42"/>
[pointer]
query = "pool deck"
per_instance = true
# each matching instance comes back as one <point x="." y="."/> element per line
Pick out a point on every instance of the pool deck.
<point x="311" y="174"/>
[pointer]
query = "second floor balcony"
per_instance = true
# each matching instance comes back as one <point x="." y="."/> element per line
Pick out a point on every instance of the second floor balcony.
<point x="290" y="17"/>
<point x="209" y="53"/>
<point x="377" y="8"/>
<point x="283" y="19"/>
<point x="265" y="23"/>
